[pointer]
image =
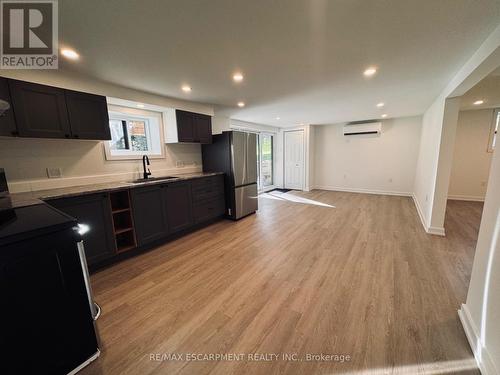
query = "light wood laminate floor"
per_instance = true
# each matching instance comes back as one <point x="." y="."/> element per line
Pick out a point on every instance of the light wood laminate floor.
<point x="361" y="279"/>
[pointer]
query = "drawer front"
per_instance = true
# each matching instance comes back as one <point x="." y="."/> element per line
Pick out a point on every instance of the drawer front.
<point x="208" y="188"/>
<point x="209" y="210"/>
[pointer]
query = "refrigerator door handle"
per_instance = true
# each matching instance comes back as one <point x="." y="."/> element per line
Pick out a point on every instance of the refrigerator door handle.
<point x="95" y="310"/>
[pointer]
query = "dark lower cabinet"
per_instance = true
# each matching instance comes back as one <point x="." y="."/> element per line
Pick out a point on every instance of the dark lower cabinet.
<point x="88" y="115"/>
<point x="40" y="110"/>
<point x="7" y="121"/>
<point x="210" y="209"/>
<point x="150" y="216"/>
<point x="178" y="206"/>
<point x="94" y="211"/>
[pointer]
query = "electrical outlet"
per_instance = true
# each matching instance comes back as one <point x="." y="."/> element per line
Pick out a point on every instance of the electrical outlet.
<point x="179" y="164"/>
<point x="483" y="183"/>
<point x="54" y="173"/>
<point x="390" y="179"/>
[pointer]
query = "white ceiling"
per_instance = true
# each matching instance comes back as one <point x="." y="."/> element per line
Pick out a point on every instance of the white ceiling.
<point x="487" y="90"/>
<point x="302" y="60"/>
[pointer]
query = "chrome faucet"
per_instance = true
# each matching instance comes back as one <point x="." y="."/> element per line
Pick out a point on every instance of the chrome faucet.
<point x="145" y="160"/>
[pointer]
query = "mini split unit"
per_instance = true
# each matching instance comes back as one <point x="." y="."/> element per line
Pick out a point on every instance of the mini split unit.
<point x="363" y="128"/>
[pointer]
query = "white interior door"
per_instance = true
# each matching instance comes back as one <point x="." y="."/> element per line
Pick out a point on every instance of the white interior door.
<point x="294" y="159"/>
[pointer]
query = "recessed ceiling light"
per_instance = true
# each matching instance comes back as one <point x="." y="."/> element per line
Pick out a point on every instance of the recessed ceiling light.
<point x="237" y="77"/>
<point x="241" y="104"/>
<point x="478" y="102"/>
<point x="186" y="88"/>
<point x="384" y="115"/>
<point x="140" y="105"/>
<point x="370" y="71"/>
<point x="70" y="53"/>
<point x="380" y="105"/>
<point x="277" y="118"/>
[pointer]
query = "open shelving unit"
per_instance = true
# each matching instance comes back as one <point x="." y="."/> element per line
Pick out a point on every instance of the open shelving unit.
<point x="123" y="224"/>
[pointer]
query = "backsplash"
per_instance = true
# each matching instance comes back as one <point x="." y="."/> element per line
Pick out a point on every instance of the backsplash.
<point x="82" y="162"/>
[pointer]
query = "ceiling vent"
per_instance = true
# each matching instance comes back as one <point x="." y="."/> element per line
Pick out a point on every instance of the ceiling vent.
<point x="363" y="128"/>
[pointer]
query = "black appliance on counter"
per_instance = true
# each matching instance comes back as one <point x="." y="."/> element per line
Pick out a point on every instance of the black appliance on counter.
<point x="6" y="211"/>
<point x="47" y="318"/>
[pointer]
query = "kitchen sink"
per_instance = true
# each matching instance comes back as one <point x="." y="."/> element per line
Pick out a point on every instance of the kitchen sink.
<point x="152" y="179"/>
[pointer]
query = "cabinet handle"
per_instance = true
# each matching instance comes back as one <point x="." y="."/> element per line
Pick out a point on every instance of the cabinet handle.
<point x="15" y="133"/>
<point x="76" y="136"/>
<point x="66" y="135"/>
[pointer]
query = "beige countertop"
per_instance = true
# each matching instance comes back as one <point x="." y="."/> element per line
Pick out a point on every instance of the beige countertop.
<point x="38" y="197"/>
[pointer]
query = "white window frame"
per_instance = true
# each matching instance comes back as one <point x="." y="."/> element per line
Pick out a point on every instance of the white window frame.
<point x="495" y="129"/>
<point x="150" y="117"/>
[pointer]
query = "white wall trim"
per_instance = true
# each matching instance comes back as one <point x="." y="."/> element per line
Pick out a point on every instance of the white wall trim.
<point x="470" y="198"/>
<point x="438" y="231"/>
<point x="55" y="183"/>
<point x="481" y="354"/>
<point x="431" y="230"/>
<point x="419" y="211"/>
<point x="363" y="191"/>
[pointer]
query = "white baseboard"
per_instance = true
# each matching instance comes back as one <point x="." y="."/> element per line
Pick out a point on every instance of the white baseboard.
<point x="470" y="198"/>
<point x="481" y="354"/>
<point x="363" y="191"/>
<point x="55" y="183"/>
<point x="438" y="231"/>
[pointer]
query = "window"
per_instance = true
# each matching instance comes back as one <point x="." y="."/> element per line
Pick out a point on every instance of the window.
<point x="134" y="133"/>
<point x="495" y="127"/>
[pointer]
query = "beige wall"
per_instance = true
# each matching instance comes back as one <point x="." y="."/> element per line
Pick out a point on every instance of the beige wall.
<point x="83" y="162"/>
<point x="471" y="161"/>
<point x="384" y="163"/>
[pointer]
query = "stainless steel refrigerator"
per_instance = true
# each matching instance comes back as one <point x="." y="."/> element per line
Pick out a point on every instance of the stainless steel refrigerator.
<point x="235" y="154"/>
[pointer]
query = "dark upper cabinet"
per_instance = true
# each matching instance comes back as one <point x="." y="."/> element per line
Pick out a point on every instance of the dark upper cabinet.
<point x="193" y="127"/>
<point x="150" y="216"/>
<point x="202" y="125"/>
<point x="88" y="115"/>
<point x="40" y="111"/>
<point x="178" y="206"/>
<point x="185" y="129"/>
<point x="7" y="121"/>
<point x="95" y="212"/>
<point x="49" y="112"/>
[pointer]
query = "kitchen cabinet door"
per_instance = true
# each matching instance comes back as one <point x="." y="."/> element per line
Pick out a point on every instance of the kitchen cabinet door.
<point x="40" y="110"/>
<point x="149" y="213"/>
<point x="7" y="120"/>
<point x="178" y="206"/>
<point x="202" y="128"/>
<point x="94" y="211"/>
<point x="88" y="115"/>
<point x="185" y="126"/>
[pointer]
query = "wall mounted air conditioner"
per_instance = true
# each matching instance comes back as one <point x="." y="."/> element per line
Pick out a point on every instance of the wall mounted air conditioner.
<point x="363" y="128"/>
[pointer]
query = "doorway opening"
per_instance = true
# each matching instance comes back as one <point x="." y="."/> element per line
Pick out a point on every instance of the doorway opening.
<point x="265" y="161"/>
<point x="475" y="140"/>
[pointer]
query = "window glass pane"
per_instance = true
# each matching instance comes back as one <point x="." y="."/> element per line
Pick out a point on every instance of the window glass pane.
<point x="266" y="160"/>
<point x="118" y="141"/>
<point x="138" y="136"/>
